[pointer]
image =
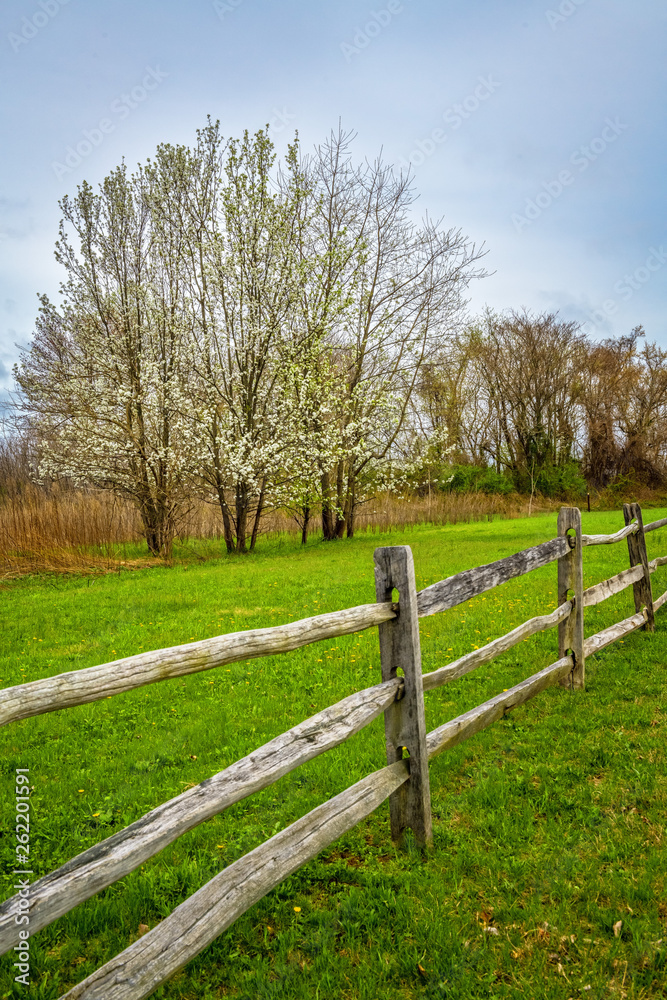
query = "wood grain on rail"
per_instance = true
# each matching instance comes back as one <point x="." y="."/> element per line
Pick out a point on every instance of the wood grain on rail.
<point x="485" y="654"/>
<point x="614" y="585"/>
<point x="472" y="582"/>
<point x="629" y="529"/>
<point x="78" y="687"/>
<point x="107" y="862"/>
<point x="138" y="971"/>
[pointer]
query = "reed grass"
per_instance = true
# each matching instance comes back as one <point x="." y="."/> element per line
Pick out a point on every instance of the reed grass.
<point x="63" y="529"/>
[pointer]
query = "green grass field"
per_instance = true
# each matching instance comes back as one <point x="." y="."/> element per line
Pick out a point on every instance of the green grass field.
<point x="549" y="826"/>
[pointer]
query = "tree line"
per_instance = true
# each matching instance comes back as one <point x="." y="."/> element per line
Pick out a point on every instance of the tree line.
<point x="261" y="332"/>
<point x="533" y="400"/>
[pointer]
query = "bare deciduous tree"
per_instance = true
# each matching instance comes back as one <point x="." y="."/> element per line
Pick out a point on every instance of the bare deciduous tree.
<point x="530" y="366"/>
<point x="625" y="407"/>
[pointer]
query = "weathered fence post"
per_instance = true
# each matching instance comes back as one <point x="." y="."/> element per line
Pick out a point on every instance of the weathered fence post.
<point x="571" y="584"/>
<point x="637" y="551"/>
<point x="404" y="722"/>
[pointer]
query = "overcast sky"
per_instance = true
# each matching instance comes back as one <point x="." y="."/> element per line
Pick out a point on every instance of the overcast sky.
<point x="537" y="128"/>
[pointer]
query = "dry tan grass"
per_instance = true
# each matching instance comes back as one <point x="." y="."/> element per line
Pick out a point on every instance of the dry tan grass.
<point x="65" y="530"/>
<point x="447" y="508"/>
<point x="62" y="530"/>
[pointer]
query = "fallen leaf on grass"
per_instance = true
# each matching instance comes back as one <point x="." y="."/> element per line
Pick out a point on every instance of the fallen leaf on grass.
<point x="491" y="930"/>
<point x="143" y="929"/>
<point x="617" y="928"/>
<point x="421" y="970"/>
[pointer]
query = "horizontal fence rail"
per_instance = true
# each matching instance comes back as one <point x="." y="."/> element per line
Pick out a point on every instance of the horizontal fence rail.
<point x="141" y="968"/>
<point x="597" y="642"/>
<point x="660" y="601"/>
<point x="614" y="585"/>
<point x="105" y="863"/>
<point x="485" y="654"/>
<point x="473" y="582"/>
<point x="477" y="719"/>
<point x="193" y="925"/>
<point x="629" y="529"/>
<point x="654" y="525"/>
<point x="80" y="687"/>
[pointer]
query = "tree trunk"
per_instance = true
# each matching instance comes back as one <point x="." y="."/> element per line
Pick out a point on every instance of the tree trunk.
<point x="327" y="513"/>
<point x="351" y="504"/>
<point x="158" y="528"/>
<point x="241" y="516"/>
<point x="340" y="501"/>
<point x="152" y="541"/>
<point x="258" y="515"/>
<point x="304" y="526"/>
<point x="226" y="519"/>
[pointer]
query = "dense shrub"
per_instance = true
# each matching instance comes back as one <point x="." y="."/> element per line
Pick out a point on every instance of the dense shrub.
<point x="554" y="481"/>
<point x="475" y="479"/>
<point x="557" y="481"/>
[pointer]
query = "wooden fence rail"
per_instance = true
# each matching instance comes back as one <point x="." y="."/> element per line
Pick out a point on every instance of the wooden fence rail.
<point x="614" y="585"/>
<point x="629" y="529"/>
<point x="79" y="687"/>
<point x="142" y="967"/>
<point x="654" y="525"/>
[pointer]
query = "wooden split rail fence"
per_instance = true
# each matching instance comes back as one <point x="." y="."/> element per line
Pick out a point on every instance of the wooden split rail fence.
<point x="195" y="923"/>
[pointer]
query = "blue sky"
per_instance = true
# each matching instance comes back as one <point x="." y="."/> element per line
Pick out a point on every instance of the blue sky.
<point x="536" y="126"/>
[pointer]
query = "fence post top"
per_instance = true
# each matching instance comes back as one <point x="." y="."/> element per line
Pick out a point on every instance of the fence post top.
<point x="569" y="517"/>
<point x="392" y="560"/>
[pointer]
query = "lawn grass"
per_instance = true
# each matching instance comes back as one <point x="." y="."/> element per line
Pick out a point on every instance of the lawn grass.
<point x="548" y="826"/>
